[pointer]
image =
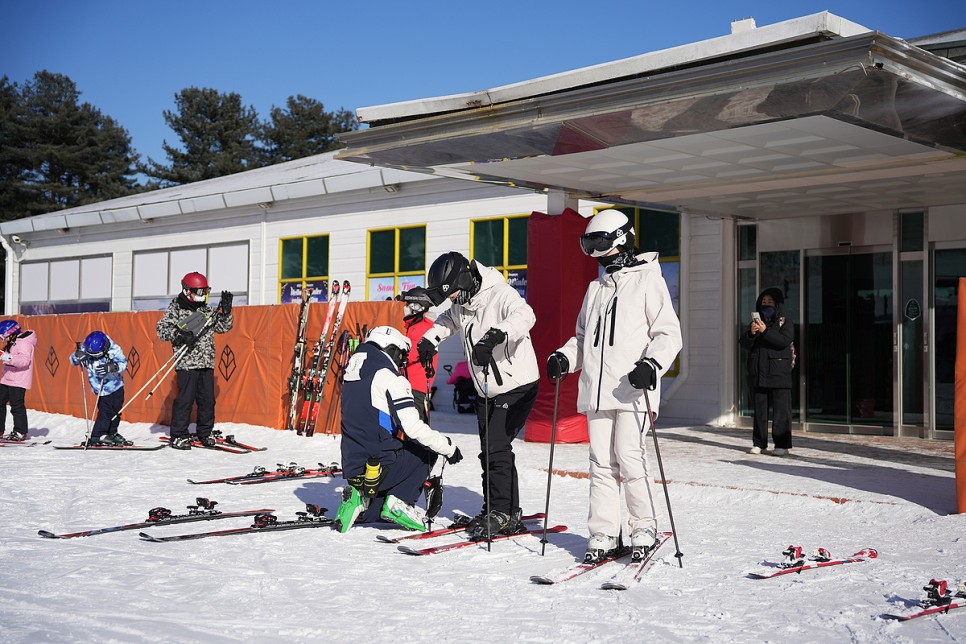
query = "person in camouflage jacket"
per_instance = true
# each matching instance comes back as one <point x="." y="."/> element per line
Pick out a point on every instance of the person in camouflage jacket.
<point x="195" y="369"/>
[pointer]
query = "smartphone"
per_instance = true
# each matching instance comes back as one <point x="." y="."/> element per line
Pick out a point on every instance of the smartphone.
<point x="756" y="316"/>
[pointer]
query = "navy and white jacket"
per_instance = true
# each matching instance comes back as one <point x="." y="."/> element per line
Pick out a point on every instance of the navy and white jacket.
<point x="379" y="413"/>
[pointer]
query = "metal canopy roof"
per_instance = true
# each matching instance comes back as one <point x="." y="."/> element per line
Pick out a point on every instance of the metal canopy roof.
<point x="810" y="126"/>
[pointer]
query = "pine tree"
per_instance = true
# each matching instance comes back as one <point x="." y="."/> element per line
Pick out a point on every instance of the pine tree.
<point x="218" y="135"/>
<point x="57" y="152"/>
<point x="303" y="129"/>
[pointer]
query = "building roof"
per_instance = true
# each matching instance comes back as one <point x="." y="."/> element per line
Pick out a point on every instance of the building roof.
<point x="309" y="177"/>
<point x="810" y="116"/>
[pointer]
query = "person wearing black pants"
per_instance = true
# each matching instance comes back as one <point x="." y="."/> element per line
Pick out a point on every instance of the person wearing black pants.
<point x="493" y="322"/>
<point x="771" y="354"/>
<point x="508" y="414"/>
<point x="190" y="325"/>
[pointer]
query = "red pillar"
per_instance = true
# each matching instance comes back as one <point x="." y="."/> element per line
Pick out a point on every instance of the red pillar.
<point x="557" y="277"/>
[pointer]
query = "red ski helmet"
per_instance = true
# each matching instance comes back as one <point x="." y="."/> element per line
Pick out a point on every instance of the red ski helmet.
<point x="195" y="287"/>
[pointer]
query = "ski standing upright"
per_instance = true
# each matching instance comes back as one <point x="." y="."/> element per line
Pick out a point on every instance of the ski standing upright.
<point x="295" y="379"/>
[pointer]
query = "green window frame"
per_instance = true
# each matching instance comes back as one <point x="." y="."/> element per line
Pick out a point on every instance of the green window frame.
<point x="395" y="260"/>
<point x="303" y="262"/>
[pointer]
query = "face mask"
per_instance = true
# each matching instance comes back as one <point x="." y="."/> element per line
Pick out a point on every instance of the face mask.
<point x="767" y="313"/>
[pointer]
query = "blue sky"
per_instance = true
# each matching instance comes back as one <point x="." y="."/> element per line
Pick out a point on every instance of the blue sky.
<point x="129" y="59"/>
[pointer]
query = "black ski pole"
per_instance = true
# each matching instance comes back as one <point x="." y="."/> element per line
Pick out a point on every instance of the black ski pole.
<point x="660" y="466"/>
<point x="97" y="401"/>
<point x="486" y="451"/>
<point x="553" y="442"/>
<point x="87" y="416"/>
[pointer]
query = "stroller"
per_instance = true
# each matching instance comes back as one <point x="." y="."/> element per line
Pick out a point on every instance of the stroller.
<point x="464" y="393"/>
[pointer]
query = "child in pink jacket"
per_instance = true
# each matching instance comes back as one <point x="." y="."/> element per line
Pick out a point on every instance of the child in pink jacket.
<point x="17" y="357"/>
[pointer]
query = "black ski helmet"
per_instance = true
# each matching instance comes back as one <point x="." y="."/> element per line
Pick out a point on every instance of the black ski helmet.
<point x="449" y="273"/>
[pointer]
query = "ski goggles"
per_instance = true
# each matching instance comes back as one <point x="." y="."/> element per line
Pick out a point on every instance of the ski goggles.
<point x="201" y="292"/>
<point x="436" y="295"/>
<point x="602" y="240"/>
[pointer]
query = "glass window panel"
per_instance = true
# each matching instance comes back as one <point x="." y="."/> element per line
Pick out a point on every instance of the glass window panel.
<point x="228" y="269"/>
<point x="189" y="260"/>
<point x="34" y="279"/>
<point x="747" y="242"/>
<point x="747" y="295"/>
<point x="517" y="250"/>
<point x="783" y="269"/>
<point x="913" y="354"/>
<point x="96" y="278"/>
<point x="911" y="226"/>
<point x="382" y="251"/>
<point x="412" y="249"/>
<point x="488" y="242"/>
<point x="291" y="258"/>
<point x="65" y="280"/>
<point x="317" y="263"/>
<point x="150" y="274"/>
<point x="660" y="231"/>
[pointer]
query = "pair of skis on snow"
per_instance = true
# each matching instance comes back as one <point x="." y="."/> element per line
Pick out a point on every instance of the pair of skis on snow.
<point x="307" y="381"/>
<point x="222" y="444"/>
<point x="624" y="577"/>
<point x="6" y="440"/>
<point x="282" y="473"/>
<point x="204" y="510"/>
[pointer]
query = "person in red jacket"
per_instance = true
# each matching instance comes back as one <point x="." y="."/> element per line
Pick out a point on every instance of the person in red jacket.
<point x="417" y="324"/>
<point x="17" y="357"/>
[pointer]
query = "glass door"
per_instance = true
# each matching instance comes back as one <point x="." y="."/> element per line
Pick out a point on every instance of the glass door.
<point x="848" y="340"/>
<point x="950" y="265"/>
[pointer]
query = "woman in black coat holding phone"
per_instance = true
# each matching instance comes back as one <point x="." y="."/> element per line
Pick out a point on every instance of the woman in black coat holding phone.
<point x="770" y="360"/>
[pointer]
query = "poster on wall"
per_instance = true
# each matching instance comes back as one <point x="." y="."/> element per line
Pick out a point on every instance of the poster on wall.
<point x="411" y="281"/>
<point x="671" y="271"/>
<point x="382" y="288"/>
<point x="518" y="280"/>
<point x="292" y="292"/>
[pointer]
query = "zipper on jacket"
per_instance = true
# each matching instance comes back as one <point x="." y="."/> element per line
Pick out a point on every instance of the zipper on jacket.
<point x="613" y="319"/>
<point x="597" y="332"/>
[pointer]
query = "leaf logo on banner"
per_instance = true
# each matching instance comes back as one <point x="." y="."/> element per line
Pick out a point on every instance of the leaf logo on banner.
<point x="227" y="364"/>
<point x="133" y="362"/>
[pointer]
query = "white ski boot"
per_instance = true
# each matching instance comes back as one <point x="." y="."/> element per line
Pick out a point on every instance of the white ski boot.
<point x="643" y="542"/>
<point x="599" y="546"/>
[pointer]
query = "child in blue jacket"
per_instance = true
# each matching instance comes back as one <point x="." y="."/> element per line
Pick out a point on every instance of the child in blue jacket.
<point x="104" y="362"/>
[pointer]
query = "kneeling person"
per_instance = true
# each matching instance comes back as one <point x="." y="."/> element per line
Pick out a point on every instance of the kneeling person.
<point x="386" y="448"/>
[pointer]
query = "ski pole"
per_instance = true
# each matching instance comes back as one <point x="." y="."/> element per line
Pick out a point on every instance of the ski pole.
<point x="553" y="442"/>
<point x="486" y="451"/>
<point x="173" y="359"/>
<point x="657" y="450"/>
<point x="87" y="416"/>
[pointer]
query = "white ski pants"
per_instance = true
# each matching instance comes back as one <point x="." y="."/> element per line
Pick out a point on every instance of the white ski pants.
<point x="617" y="450"/>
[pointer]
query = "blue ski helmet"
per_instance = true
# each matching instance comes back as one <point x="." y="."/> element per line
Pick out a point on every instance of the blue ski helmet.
<point x="96" y="344"/>
<point x="9" y="328"/>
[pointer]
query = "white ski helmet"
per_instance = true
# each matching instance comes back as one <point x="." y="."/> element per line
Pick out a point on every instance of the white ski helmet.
<point x="608" y="229"/>
<point x="392" y="342"/>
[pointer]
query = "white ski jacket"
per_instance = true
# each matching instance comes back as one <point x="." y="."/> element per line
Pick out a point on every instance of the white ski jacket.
<point x="626" y="315"/>
<point x="496" y="305"/>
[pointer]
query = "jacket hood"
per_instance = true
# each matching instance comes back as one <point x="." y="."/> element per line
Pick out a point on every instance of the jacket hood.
<point x="27" y="337"/>
<point x="777" y="295"/>
<point x="490" y="277"/>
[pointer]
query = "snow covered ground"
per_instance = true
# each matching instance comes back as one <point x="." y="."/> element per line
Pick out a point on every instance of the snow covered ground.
<point x="733" y="511"/>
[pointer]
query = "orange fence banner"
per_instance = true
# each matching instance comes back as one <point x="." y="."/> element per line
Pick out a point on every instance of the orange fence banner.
<point x="253" y="362"/>
<point x="959" y="413"/>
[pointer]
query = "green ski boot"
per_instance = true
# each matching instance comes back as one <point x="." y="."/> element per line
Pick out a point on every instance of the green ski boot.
<point x="353" y="504"/>
<point x="398" y="511"/>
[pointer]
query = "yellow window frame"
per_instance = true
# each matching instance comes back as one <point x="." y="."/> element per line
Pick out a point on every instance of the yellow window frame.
<point x="396" y="273"/>
<point x="305" y="261"/>
<point x="505" y="267"/>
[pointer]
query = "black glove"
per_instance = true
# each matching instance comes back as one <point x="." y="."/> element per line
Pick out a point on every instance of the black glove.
<point x="483" y="350"/>
<point x="455" y="458"/>
<point x="80" y="356"/>
<point x="183" y="336"/>
<point x="104" y="368"/>
<point x="427" y="351"/>
<point x="644" y="375"/>
<point x="225" y="303"/>
<point x="557" y="365"/>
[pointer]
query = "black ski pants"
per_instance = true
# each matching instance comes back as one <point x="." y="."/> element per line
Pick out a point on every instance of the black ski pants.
<point x="508" y="414"/>
<point x="108" y="406"/>
<point x="194" y="386"/>
<point x="14" y="396"/>
<point x="780" y="401"/>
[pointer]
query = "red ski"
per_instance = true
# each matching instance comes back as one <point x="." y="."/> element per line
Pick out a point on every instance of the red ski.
<point x="311" y="374"/>
<point x="451" y="529"/>
<point x="219" y="446"/>
<point x="861" y="555"/>
<point x="435" y="550"/>
<point x="939" y="599"/>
